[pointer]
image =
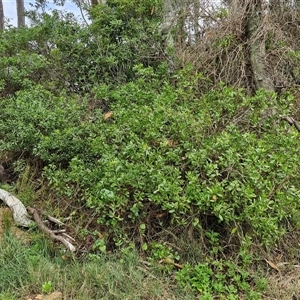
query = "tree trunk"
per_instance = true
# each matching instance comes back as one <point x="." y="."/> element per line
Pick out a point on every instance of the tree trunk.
<point x="196" y="20"/>
<point x="257" y="46"/>
<point x="254" y="35"/>
<point x="94" y="2"/>
<point x="169" y="19"/>
<point x="1" y="15"/>
<point x="20" y="13"/>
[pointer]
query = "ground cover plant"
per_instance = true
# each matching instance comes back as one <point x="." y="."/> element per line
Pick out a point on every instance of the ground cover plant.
<point x="145" y="158"/>
<point x="39" y="269"/>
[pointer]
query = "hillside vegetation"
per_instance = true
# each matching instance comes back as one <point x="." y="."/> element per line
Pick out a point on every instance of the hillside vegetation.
<point x="163" y="148"/>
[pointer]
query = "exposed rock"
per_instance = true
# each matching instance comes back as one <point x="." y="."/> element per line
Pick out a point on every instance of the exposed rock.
<point x="53" y="296"/>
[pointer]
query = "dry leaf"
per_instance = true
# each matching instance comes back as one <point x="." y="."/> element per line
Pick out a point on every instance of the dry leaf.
<point x="166" y="260"/>
<point x="152" y="10"/>
<point x="108" y="115"/>
<point x="171" y="143"/>
<point x="161" y="215"/>
<point x="272" y="265"/>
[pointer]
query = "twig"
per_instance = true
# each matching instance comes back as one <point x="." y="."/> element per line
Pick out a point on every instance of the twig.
<point x="59" y="231"/>
<point x="68" y="237"/>
<point x="279" y="187"/>
<point x="171" y="262"/>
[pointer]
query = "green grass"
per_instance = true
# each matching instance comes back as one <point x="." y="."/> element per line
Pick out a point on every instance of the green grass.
<point x="26" y="268"/>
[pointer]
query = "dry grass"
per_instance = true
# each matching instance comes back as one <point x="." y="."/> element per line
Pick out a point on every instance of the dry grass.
<point x="220" y="47"/>
<point x="284" y="286"/>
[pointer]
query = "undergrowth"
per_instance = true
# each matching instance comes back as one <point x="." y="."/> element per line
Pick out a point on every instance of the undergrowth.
<point x="165" y="157"/>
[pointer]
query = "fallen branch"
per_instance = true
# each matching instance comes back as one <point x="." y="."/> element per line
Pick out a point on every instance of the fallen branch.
<point x="18" y="209"/>
<point x="47" y="231"/>
<point x="59" y="231"/>
<point x="291" y="121"/>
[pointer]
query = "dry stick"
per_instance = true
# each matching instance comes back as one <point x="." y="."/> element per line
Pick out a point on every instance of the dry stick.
<point x="279" y="187"/>
<point x="47" y="231"/>
<point x="53" y="220"/>
<point x="291" y="121"/>
<point x="59" y="231"/>
<point x="68" y="237"/>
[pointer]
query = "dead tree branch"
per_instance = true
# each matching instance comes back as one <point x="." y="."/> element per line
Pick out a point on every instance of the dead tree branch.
<point x="49" y="232"/>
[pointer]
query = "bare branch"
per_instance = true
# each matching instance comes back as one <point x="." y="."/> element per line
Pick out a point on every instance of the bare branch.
<point x="48" y="232"/>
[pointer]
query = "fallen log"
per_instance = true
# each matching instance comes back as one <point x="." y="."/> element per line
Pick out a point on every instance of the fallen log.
<point x="18" y="209"/>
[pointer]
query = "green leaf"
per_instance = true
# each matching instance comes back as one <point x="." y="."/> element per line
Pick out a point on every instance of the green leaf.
<point x="145" y="247"/>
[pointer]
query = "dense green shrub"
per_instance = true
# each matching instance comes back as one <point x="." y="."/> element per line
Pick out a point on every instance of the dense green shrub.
<point x="60" y="53"/>
<point x="34" y="116"/>
<point x="186" y="156"/>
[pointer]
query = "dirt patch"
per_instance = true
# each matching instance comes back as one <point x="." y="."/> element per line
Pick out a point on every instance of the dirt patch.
<point x="52" y="296"/>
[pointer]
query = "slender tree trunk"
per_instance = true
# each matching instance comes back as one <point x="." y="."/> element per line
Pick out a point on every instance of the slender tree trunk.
<point x="20" y="13"/>
<point x="253" y="28"/>
<point x="169" y="14"/>
<point x="196" y="19"/>
<point x="1" y="15"/>
<point x="257" y="45"/>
